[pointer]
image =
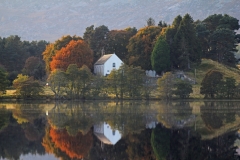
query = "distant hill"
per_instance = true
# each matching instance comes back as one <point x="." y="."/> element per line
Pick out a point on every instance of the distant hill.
<point x="51" y="19"/>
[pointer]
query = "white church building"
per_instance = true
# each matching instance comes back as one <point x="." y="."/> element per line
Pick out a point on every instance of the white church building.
<point x="106" y="64"/>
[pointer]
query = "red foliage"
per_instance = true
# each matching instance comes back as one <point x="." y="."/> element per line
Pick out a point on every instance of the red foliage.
<point x="74" y="146"/>
<point x="76" y="52"/>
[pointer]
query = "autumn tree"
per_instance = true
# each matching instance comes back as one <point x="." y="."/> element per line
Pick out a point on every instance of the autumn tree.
<point x="76" y="52"/>
<point x="53" y="48"/>
<point x="160" y="58"/>
<point x="141" y="45"/>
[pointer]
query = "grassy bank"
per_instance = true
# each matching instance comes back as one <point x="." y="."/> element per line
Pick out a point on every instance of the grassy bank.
<point x="196" y="73"/>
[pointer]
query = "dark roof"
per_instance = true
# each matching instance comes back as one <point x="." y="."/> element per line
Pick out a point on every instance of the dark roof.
<point x="103" y="59"/>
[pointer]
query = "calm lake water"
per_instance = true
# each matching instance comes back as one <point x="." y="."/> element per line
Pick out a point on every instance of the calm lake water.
<point x="135" y="130"/>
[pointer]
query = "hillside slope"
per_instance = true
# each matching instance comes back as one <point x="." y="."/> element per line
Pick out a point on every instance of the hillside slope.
<point x="204" y="67"/>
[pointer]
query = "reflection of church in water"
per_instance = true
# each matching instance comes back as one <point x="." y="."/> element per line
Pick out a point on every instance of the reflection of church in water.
<point x="107" y="135"/>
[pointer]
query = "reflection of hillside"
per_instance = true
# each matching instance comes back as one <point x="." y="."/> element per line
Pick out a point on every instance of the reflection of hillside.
<point x="219" y="118"/>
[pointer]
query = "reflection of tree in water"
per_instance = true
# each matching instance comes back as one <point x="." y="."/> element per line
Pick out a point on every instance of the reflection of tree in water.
<point x="50" y="146"/>
<point x="183" y="109"/>
<point x="128" y="117"/>
<point x="16" y="139"/>
<point x="214" y="114"/>
<point x="5" y="118"/>
<point x="160" y="140"/>
<point x="27" y="112"/>
<point x="74" y="146"/>
<point x="100" y="151"/>
<point x="139" y="146"/>
<point x="133" y="146"/>
<point x="74" y="117"/>
<point x="220" y="148"/>
<point x="211" y="118"/>
<point x="180" y="144"/>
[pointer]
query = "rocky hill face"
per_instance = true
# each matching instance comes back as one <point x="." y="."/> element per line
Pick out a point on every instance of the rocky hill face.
<point x="51" y="19"/>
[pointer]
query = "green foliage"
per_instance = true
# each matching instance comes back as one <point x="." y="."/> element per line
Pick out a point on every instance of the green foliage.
<point x="4" y="118"/>
<point x="150" y="22"/>
<point x="227" y="88"/>
<point x="160" y="58"/>
<point x="210" y="82"/>
<point x="218" y="21"/>
<point x="74" y="83"/>
<point x="34" y="67"/>
<point x="219" y="42"/>
<point x="3" y="81"/>
<point x="117" y="40"/>
<point x="27" y="87"/>
<point x="98" y="87"/>
<point x="96" y="38"/>
<point x="183" y="89"/>
<point x="14" y="52"/>
<point x="85" y="76"/>
<point x="57" y="81"/>
<point x="126" y="82"/>
<point x="186" y="45"/>
<point x="162" y="24"/>
<point x="222" y="44"/>
<point x="166" y="85"/>
<point x="160" y="141"/>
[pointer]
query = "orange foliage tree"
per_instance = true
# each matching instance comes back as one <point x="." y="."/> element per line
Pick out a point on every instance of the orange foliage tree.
<point x="74" y="146"/>
<point x="76" y="52"/>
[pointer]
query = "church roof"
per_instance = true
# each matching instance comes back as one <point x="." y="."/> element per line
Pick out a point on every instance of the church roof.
<point x="103" y="59"/>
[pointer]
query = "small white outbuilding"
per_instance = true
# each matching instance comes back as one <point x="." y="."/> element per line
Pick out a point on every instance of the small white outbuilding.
<point x="106" y="64"/>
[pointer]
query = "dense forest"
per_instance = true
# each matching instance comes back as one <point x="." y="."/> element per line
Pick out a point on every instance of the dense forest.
<point x="157" y="46"/>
